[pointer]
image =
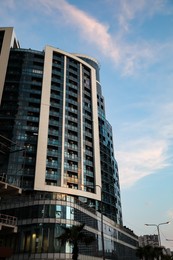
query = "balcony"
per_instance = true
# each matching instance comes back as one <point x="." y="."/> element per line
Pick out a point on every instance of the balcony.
<point x="71" y="109"/>
<point x="8" y="189"/>
<point x="52" y="164"/>
<point x="51" y="176"/>
<point x="72" y="118"/>
<point x="88" y="152"/>
<point x="53" y="142"/>
<point x="52" y="153"/>
<point x="71" y="156"/>
<point x="86" y="133"/>
<point x="71" y="179"/>
<point x="72" y="85"/>
<point x="71" y="127"/>
<point x="54" y="122"/>
<point x="8" y="223"/>
<point x="72" y="137"/>
<point x="71" y="167"/>
<point x="89" y="173"/>
<point x="71" y="146"/>
<point x="53" y="132"/>
<point x="87" y="162"/>
<point x="56" y="72"/>
<point x="54" y="113"/>
<point x="88" y="143"/>
<point x="89" y="117"/>
<point x="55" y="96"/>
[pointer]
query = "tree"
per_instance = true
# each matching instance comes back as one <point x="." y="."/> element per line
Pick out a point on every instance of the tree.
<point x="151" y="253"/>
<point x="158" y="252"/>
<point x="145" y="252"/>
<point x="140" y="252"/>
<point x="74" y="235"/>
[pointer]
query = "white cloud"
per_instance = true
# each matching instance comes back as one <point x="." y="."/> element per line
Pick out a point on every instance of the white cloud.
<point x="140" y="159"/>
<point x="128" y="57"/>
<point x="129" y="10"/>
<point x="136" y="56"/>
<point x="89" y="28"/>
<point x="147" y="151"/>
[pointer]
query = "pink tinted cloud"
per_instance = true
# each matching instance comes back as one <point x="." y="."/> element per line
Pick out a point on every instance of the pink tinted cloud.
<point x="141" y="160"/>
<point x="89" y="28"/>
<point x="129" y="58"/>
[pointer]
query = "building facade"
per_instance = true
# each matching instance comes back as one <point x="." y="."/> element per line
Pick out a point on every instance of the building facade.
<point x="57" y="145"/>
<point x="146" y="240"/>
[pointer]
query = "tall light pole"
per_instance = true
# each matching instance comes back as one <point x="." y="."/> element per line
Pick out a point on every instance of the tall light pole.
<point x="158" y="230"/>
<point x="101" y="212"/>
<point x="102" y="234"/>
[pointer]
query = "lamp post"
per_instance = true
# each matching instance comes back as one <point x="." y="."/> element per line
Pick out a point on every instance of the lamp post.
<point x="101" y="209"/>
<point x="102" y="234"/>
<point x="158" y="230"/>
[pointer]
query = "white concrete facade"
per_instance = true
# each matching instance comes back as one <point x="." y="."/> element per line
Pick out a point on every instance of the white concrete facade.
<point x="40" y="171"/>
<point x="8" y="41"/>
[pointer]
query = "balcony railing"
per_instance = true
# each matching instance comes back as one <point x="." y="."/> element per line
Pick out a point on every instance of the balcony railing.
<point x="7" y="221"/>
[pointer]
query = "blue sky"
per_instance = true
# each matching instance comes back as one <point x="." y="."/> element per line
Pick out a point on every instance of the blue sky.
<point x="133" y="41"/>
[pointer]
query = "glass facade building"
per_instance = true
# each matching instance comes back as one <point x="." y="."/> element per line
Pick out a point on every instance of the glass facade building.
<point x="57" y="145"/>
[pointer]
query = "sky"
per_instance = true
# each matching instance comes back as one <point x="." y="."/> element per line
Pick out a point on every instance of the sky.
<point x="133" y="42"/>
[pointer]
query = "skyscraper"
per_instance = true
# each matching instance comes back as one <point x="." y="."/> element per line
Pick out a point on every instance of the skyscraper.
<point x="57" y="145"/>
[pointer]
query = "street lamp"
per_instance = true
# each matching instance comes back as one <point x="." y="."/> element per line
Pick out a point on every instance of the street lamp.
<point x="101" y="209"/>
<point x="158" y="230"/>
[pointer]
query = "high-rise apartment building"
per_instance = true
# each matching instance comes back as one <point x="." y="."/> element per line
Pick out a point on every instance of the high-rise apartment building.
<point x="57" y="145"/>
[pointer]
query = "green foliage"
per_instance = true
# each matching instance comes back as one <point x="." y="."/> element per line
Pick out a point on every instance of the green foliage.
<point x="151" y="253"/>
<point x="74" y="235"/>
